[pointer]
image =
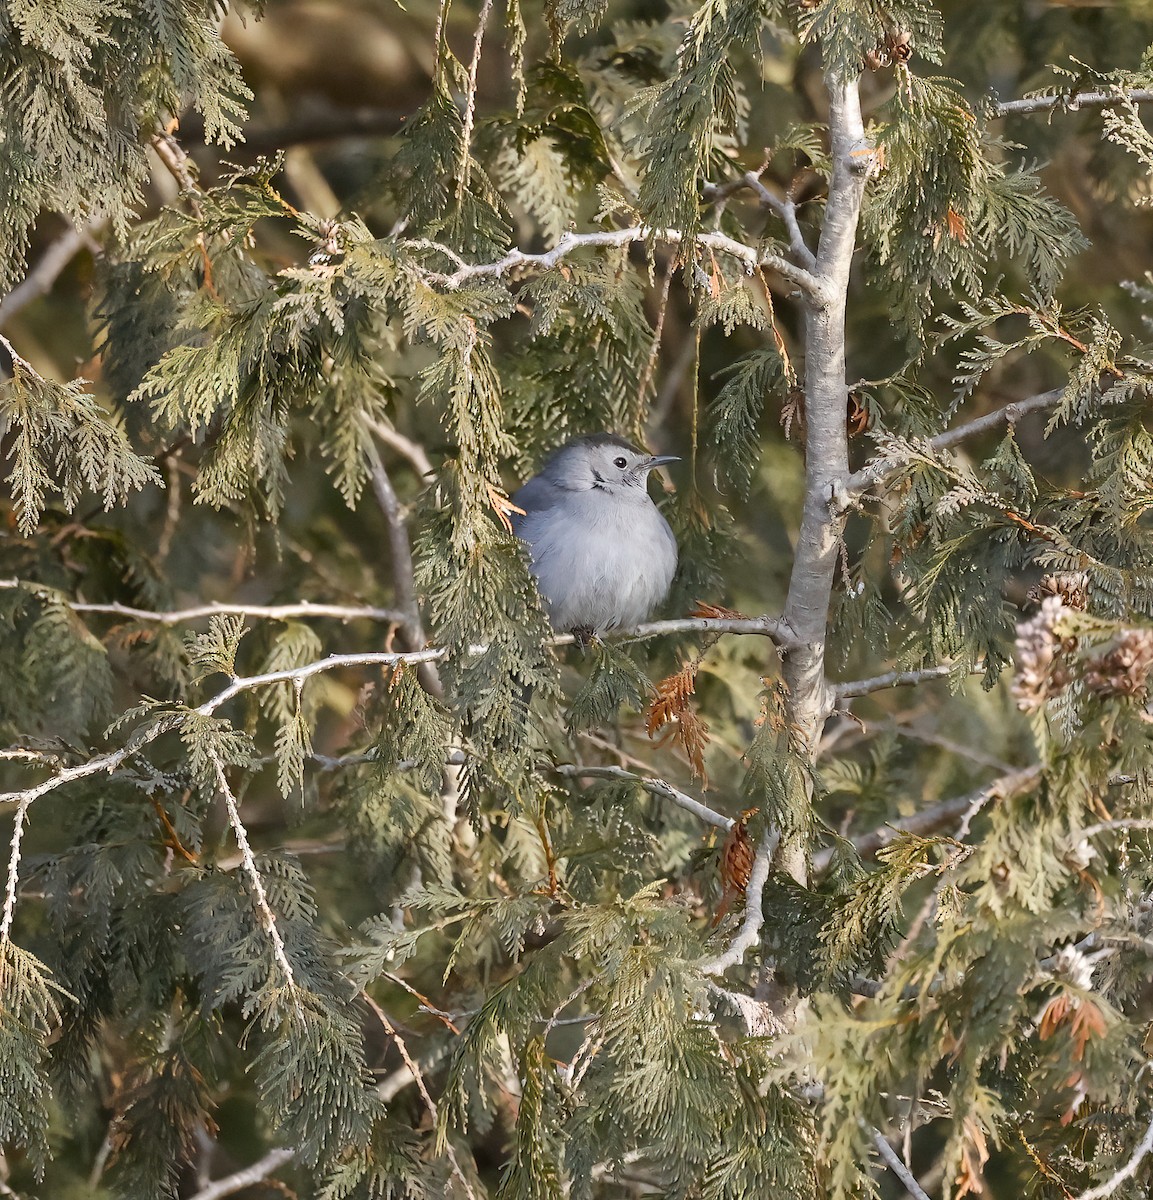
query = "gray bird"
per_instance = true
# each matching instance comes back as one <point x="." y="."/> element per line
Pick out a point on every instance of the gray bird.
<point x="601" y="552"/>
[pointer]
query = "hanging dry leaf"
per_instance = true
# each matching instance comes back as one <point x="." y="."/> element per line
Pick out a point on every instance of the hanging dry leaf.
<point x="736" y="864"/>
<point x="715" y="612"/>
<point x="974" y="1156"/>
<point x="670" y="719"/>
<point x="502" y="506"/>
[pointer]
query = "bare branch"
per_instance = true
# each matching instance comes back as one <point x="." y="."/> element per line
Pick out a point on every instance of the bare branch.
<point x="404" y="446"/>
<point x="895" y="1164"/>
<point x="180" y="616"/>
<point x="1119" y="823"/>
<point x="429" y="1102"/>
<point x="871" y="474"/>
<point x="110" y="761"/>
<point x="246" y="1177"/>
<point x="13" y="872"/>
<point x="783" y="207"/>
<point x="1126" y="1172"/>
<point x="470" y="103"/>
<point x="47" y="270"/>
<point x="517" y="259"/>
<point x="1071" y="103"/>
<point x="750" y="931"/>
<point x="400" y="547"/>
<point x="891" y="679"/>
<point x="267" y="917"/>
<point x="936" y="816"/>
<point x="172" y="155"/>
<point x="658" y="787"/>
<point x="818" y="541"/>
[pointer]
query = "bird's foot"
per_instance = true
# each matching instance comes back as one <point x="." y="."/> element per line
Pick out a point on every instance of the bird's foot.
<point x="584" y="636"/>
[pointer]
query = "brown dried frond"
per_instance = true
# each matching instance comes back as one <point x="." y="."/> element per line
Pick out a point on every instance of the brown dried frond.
<point x="671" y="698"/>
<point x="858" y="415"/>
<point x="1124" y="669"/>
<point x="670" y="717"/>
<point x="737" y="855"/>
<point x="793" y="409"/>
<point x="716" y="612"/>
<point x="958" y="230"/>
<point x="502" y="506"/>
<point x="974" y="1156"/>
<point x="736" y="864"/>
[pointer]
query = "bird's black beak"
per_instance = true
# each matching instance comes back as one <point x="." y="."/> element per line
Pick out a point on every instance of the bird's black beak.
<point x="659" y="460"/>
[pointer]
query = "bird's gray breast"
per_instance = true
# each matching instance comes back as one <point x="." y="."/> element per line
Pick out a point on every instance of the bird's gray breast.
<point x="600" y="559"/>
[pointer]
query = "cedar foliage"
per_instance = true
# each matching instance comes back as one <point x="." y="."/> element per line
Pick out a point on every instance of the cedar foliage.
<point x="252" y="889"/>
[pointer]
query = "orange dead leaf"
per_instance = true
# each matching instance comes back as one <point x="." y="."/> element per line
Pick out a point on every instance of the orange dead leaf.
<point x="671" y="698"/>
<point x="502" y="506"/>
<point x="716" y="287"/>
<point x="715" y="612"/>
<point x="736" y="864"/>
<point x="956" y="225"/>
<point x="1088" y="1022"/>
<point x="974" y="1156"/>
<point x="858" y="416"/>
<point x="1054" y="1014"/>
<point x="669" y="716"/>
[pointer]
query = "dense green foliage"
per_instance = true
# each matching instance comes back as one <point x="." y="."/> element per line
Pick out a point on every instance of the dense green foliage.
<point x="352" y="858"/>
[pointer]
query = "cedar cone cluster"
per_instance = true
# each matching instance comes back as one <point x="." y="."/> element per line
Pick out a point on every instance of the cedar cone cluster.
<point x="1045" y="658"/>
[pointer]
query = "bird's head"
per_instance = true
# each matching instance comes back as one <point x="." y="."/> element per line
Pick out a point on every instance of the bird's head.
<point x="604" y="462"/>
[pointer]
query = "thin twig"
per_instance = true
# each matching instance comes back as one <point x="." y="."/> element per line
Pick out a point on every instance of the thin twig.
<point x="13" y="872"/>
<point x="1120" y="823"/>
<point x="750" y="932"/>
<point x="470" y="102"/>
<point x="247" y="1176"/>
<point x="658" y="787"/>
<point x="49" y="267"/>
<point x="405" y="446"/>
<point x="893" y="1159"/>
<point x="267" y="917"/>
<point x="871" y="474"/>
<point x="403" y="577"/>
<point x="1126" y="1172"/>
<point x="110" y="761"/>
<point x="180" y="616"/>
<point x="936" y="816"/>
<point x="891" y="679"/>
<point x="1067" y="102"/>
<point x="750" y="256"/>
<point x="429" y="1102"/>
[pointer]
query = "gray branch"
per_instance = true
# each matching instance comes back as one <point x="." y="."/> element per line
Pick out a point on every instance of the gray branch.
<point x="245" y="1178"/>
<point x="811" y="698"/>
<point x="751" y="257"/>
<point x="891" y="679"/>
<point x="749" y="934"/>
<point x="1067" y="102"/>
<point x="47" y="270"/>
<point x="897" y="1166"/>
<point x="874" y="472"/>
<point x="658" y="787"/>
<point x="181" y="616"/>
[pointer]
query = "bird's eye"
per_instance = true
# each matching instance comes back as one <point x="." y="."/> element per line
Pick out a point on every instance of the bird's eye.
<point x="620" y="462"/>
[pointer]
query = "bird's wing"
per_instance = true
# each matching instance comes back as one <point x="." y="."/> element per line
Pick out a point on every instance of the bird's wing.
<point x="536" y="497"/>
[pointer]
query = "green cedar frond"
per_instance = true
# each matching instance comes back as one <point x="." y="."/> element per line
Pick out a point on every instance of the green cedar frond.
<point x="64" y="442"/>
<point x="735" y="415"/>
<point x="847" y="30"/>
<point x="29" y="1013"/>
<point x="684" y="120"/>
